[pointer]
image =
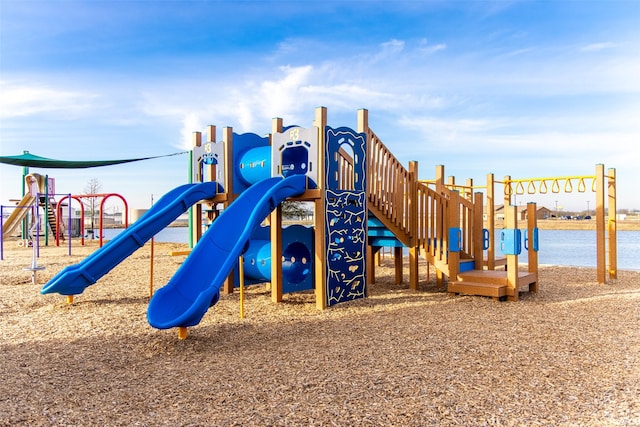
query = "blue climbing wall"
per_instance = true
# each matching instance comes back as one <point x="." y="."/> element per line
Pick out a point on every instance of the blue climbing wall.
<point x="345" y="215"/>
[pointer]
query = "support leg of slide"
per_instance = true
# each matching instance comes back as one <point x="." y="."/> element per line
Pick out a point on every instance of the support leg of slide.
<point x="182" y="333"/>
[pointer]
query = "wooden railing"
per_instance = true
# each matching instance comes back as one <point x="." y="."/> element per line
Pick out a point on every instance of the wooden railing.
<point x="389" y="186"/>
<point x="420" y="214"/>
<point x="345" y="176"/>
<point x="431" y="219"/>
<point x="439" y="210"/>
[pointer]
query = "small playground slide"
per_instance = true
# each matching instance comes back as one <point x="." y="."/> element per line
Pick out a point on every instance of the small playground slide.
<point x="75" y="279"/>
<point x="196" y="285"/>
<point x="18" y="214"/>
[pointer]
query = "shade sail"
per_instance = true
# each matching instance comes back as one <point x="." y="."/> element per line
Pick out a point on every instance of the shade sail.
<point x="31" y="160"/>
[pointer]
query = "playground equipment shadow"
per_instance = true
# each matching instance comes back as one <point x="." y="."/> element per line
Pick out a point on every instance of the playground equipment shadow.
<point x="565" y="356"/>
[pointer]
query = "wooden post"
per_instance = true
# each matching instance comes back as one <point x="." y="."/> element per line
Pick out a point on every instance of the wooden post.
<point x="414" y="249"/>
<point x="601" y="255"/>
<point x="211" y="137"/>
<point x="196" y="210"/>
<point x="511" y="222"/>
<point x="477" y="234"/>
<point x="439" y="178"/>
<point x="491" y="219"/>
<point x="319" y="206"/>
<point x="468" y="221"/>
<point x="397" y="262"/>
<point x="438" y="236"/>
<point x="613" y="224"/>
<point x="371" y="267"/>
<point x="453" y="221"/>
<point x="275" y="230"/>
<point x="532" y="255"/>
<point x="227" y="139"/>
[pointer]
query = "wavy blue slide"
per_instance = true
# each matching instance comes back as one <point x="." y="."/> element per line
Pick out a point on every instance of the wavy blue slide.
<point x="196" y="285"/>
<point x="74" y="279"/>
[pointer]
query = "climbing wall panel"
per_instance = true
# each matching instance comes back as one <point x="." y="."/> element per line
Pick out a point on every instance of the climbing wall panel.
<point x="345" y="214"/>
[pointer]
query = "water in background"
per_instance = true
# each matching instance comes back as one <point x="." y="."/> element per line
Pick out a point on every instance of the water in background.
<point x="166" y="235"/>
<point x="578" y="248"/>
<point x="557" y="247"/>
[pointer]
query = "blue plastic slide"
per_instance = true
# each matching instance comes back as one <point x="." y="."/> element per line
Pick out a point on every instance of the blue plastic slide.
<point x="74" y="279"/>
<point x="196" y="285"/>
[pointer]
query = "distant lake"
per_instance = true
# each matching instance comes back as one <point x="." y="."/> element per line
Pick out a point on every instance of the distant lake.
<point x="578" y="248"/>
<point x="557" y="247"/>
<point x="166" y="235"/>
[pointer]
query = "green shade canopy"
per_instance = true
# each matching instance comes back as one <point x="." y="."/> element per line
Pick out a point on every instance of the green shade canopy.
<point x="31" y="160"/>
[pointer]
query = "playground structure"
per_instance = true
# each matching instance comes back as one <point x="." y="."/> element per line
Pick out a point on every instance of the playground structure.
<point x="40" y="194"/>
<point x="363" y="199"/>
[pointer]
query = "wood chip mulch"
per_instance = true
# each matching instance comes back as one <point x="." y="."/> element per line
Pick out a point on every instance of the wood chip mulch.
<point x="566" y="356"/>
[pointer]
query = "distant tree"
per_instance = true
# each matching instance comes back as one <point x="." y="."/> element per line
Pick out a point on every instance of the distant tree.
<point x="94" y="186"/>
<point x="295" y="210"/>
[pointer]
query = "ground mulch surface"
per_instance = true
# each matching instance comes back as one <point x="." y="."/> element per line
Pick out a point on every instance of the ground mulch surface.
<point x="568" y="355"/>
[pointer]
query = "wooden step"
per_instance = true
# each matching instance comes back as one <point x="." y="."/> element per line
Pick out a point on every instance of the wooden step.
<point x="498" y="262"/>
<point x="494" y="290"/>
<point x="495" y="276"/>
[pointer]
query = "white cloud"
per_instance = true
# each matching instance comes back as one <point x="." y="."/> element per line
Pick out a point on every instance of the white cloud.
<point x="428" y="49"/>
<point x="595" y="47"/>
<point x="393" y="46"/>
<point x="389" y="49"/>
<point x="25" y="99"/>
<point x="191" y="122"/>
<point x="282" y="96"/>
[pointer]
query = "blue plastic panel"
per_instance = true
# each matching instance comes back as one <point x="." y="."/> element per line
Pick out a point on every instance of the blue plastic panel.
<point x="345" y="217"/>
<point x="535" y="239"/>
<point x="455" y="239"/>
<point x="254" y="165"/>
<point x="511" y="241"/>
<point x="466" y="265"/>
<point x="242" y="144"/>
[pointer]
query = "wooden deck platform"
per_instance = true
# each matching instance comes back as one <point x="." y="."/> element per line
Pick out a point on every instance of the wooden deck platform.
<point x="491" y="283"/>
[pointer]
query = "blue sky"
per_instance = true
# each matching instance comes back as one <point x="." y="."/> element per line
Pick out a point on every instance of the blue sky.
<point x="520" y="88"/>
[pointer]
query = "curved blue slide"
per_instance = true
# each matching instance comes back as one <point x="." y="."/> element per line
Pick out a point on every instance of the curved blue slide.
<point x="74" y="279"/>
<point x="196" y="285"/>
